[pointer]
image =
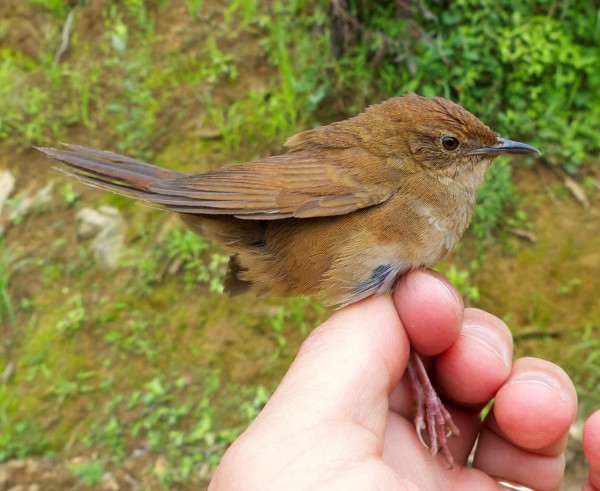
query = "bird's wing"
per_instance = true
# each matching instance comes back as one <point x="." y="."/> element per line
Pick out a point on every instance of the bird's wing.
<point x="300" y="185"/>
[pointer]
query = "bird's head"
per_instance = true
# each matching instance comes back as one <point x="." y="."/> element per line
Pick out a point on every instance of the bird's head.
<point x="440" y="136"/>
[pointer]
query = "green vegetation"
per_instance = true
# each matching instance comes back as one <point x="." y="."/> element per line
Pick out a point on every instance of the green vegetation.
<point x="461" y="279"/>
<point x="526" y="68"/>
<point x="150" y="360"/>
<point x="9" y="265"/>
<point x="178" y="419"/>
<point x="21" y="439"/>
<point x="178" y="251"/>
<point x="6" y="304"/>
<point x="587" y="348"/>
<point x="89" y="473"/>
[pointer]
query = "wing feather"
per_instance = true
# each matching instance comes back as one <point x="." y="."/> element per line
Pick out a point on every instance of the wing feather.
<point x="303" y="186"/>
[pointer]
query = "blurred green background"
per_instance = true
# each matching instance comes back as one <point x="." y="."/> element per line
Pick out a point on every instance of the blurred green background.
<point x="147" y="370"/>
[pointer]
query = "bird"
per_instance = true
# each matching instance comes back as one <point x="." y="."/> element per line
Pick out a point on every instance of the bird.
<point x="341" y="215"/>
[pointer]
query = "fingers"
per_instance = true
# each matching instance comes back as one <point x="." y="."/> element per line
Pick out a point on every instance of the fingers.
<point x="472" y="370"/>
<point x="523" y="440"/>
<point x="524" y="437"/>
<point x="478" y="346"/>
<point x="591" y="447"/>
<point x="476" y="351"/>
<point x="536" y="406"/>
<point x="431" y="310"/>
<point x="475" y="347"/>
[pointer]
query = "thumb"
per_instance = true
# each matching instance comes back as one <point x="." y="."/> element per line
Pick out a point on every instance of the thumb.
<point x="346" y="368"/>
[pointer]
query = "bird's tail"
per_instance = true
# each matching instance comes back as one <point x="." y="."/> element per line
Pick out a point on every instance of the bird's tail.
<point x="108" y="170"/>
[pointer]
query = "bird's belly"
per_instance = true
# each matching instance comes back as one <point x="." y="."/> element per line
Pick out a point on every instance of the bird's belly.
<point x="346" y="258"/>
<point x="374" y="270"/>
<point x="381" y="247"/>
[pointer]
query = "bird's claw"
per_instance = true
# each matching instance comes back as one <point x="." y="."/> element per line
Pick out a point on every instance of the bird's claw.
<point x="420" y="426"/>
<point x="431" y="415"/>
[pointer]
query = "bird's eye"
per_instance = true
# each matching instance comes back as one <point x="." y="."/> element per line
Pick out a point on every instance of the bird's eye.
<point x="450" y="143"/>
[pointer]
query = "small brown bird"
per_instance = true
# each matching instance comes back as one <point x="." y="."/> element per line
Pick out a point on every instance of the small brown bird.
<point x="348" y="209"/>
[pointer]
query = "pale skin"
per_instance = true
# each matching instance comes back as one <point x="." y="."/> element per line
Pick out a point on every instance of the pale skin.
<point x="341" y="417"/>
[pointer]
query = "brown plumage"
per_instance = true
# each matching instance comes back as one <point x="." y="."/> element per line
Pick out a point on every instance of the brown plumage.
<point x="349" y="208"/>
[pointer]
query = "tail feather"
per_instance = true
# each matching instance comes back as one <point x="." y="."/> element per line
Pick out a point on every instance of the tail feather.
<point x="214" y="193"/>
<point x="106" y="155"/>
<point x="114" y="172"/>
<point x="130" y="177"/>
<point x="96" y="181"/>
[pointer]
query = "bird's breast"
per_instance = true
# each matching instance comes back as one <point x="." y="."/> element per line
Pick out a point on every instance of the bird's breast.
<point x="443" y="226"/>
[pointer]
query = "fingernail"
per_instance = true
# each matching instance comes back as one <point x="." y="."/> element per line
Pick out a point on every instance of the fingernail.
<point x="541" y="379"/>
<point x="490" y="339"/>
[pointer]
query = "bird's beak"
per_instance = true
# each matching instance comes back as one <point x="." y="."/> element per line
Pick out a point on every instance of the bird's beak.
<point x="506" y="147"/>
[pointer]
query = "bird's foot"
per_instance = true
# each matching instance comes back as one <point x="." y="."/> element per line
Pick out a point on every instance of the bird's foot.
<point x="431" y="415"/>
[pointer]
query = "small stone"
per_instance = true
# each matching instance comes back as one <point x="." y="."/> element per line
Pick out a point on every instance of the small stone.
<point x="576" y="430"/>
<point x="106" y="227"/>
<point x="160" y="467"/>
<point x="109" y="482"/>
<point x="8" y="372"/>
<point x="7" y="185"/>
<point x="27" y="203"/>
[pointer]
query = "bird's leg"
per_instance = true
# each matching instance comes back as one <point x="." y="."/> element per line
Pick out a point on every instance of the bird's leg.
<point x="430" y="411"/>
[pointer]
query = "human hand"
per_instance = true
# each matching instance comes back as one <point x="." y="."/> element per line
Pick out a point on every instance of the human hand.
<point x="591" y="447"/>
<point x="342" y="416"/>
